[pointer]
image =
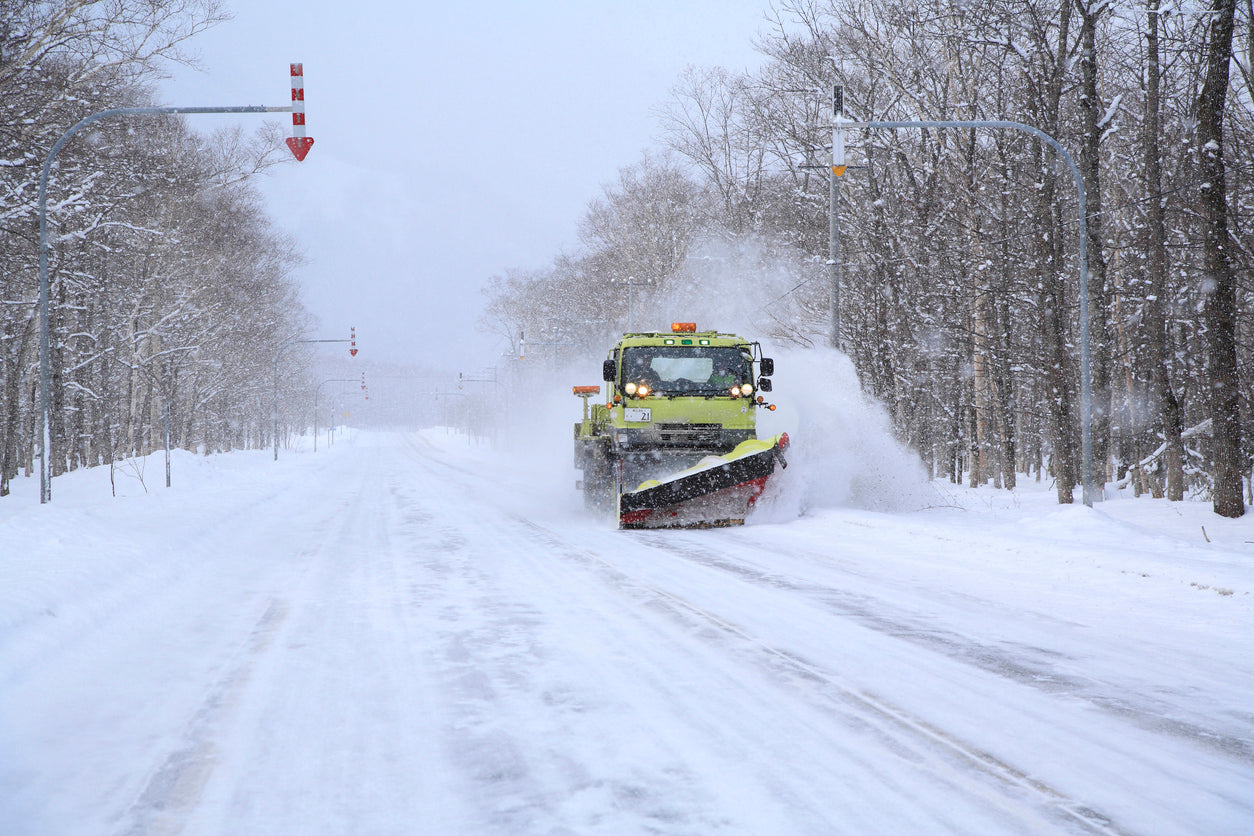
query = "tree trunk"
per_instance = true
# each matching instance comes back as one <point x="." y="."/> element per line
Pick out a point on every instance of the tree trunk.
<point x="1090" y="171"/>
<point x="56" y="387"/>
<point x="1053" y="304"/>
<point x="11" y="431"/>
<point x="975" y="475"/>
<point x="1156" y="266"/>
<point x="1006" y="417"/>
<point x="981" y="388"/>
<point x="1220" y="281"/>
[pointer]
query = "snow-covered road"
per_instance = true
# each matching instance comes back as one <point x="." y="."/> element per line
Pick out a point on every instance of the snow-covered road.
<point x="404" y="634"/>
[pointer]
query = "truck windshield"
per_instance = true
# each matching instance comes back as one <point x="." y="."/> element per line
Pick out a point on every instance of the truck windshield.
<point x="687" y="370"/>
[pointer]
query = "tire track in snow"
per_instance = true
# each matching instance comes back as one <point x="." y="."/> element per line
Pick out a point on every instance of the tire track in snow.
<point x="331" y="736"/>
<point x="658" y="745"/>
<point x="871" y="613"/>
<point x="901" y="731"/>
<point x="881" y="711"/>
<point x="908" y="735"/>
<point x="176" y="790"/>
<point x="177" y="785"/>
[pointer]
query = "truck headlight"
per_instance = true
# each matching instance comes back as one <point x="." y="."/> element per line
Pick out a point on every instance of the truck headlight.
<point x="630" y="388"/>
<point x="746" y="389"/>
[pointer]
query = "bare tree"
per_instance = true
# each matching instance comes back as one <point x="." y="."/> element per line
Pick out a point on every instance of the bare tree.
<point x="1093" y="122"/>
<point x="1156" y="261"/>
<point x="1220" y="289"/>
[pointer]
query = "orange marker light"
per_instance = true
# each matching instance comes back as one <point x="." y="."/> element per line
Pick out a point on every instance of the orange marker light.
<point x="684" y="327"/>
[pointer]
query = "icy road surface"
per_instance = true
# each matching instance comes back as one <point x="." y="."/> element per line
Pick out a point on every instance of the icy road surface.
<point x="395" y="636"/>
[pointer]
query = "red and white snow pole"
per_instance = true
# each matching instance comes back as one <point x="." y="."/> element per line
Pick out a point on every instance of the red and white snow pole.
<point x="298" y="142"/>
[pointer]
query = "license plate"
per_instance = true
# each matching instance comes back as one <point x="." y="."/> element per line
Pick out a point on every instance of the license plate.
<point x="634" y="413"/>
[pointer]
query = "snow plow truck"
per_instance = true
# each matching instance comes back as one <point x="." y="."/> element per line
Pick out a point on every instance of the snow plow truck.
<point x="674" y="443"/>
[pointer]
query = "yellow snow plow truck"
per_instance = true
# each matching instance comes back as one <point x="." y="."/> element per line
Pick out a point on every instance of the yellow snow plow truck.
<point x="675" y="444"/>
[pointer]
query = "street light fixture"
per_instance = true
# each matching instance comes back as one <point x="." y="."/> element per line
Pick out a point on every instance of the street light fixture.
<point x="275" y="412"/>
<point x="299" y="145"/>
<point x="631" y="285"/>
<point x="316" y="390"/>
<point x="1086" y="397"/>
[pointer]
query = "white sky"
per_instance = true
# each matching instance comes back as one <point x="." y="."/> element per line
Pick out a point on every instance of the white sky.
<point x="453" y="141"/>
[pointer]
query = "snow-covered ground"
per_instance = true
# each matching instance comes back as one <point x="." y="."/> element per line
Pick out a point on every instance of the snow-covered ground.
<point x="410" y="633"/>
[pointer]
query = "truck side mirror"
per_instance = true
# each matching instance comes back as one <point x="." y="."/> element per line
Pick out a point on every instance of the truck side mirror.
<point x="764" y="384"/>
<point x="767" y="366"/>
<point x="607" y="370"/>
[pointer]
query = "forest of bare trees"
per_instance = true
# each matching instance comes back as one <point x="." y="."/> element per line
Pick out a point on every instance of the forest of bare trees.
<point x="959" y="256"/>
<point x="170" y="290"/>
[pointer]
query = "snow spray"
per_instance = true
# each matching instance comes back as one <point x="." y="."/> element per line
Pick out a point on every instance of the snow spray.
<point x="843" y="452"/>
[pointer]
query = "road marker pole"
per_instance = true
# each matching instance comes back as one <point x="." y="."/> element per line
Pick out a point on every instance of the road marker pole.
<point x="298" y="142"/>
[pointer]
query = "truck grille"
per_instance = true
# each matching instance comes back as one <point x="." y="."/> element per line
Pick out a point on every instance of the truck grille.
<point x="687" y="435"/>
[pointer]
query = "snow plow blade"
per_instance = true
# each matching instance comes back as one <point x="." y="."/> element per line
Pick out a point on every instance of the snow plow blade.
<point x="718" y="491"/>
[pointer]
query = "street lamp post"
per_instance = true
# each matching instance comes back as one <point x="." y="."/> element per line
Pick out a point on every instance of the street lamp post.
<point x="316" y="390"/>
<point x="1086" y="397"/>
<point x="631" y="285"/>
<point x="275" y="411"/>
<point x="833" y="217"/>
<point x="300" y="146"/>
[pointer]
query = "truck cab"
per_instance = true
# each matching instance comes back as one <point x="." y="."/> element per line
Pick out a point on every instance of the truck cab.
<point x="672" y="399"/>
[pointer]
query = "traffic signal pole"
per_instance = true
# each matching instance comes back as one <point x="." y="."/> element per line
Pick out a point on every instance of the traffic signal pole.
<point x="299" y="144"/>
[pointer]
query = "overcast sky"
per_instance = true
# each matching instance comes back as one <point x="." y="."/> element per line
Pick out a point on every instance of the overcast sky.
<point x="452" y="140"/>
